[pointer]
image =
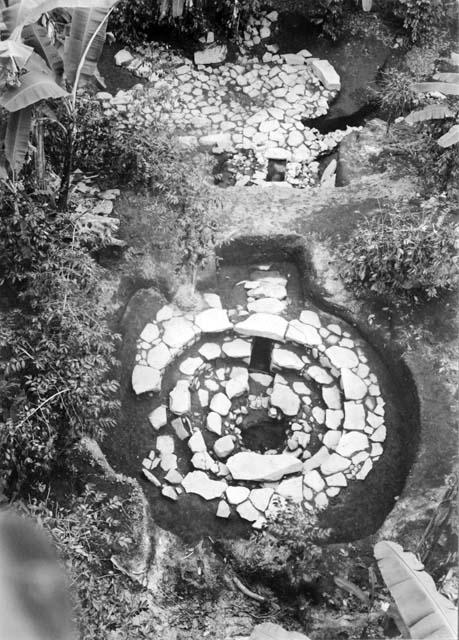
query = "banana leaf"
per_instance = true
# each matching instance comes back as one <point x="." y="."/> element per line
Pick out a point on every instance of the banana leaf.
<point x="23" y="12"/>
<point x="430" y="112"/>
<point x="84" y="24"/>
<point x="36" y="36"/>
<point x="35" y="86"/>
<point x="177" y="8"/>
<point x="271" y="631"/>
<point x="17" y="137"/>
<point x="446" y="77"/>
<point x="448" y="88"/>
<point x="426" y="613"/>
<point x="450" y="137"/>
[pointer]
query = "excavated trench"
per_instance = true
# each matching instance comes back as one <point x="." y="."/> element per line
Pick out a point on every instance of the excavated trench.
<point x="357" y="511"/>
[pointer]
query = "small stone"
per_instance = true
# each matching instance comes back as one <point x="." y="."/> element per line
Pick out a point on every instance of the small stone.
<point x="150" y="332"/>
<point x="341" y="358"/>
<point x="190" y="365"/>
<point x="123" y="58"/>
<point x="351" y="443"/>
<point x="374" y="420"/>
<point x="379" y="435"/>
<point x="202" y="460"/>
<point x="203" y="396"/>
<point x="165" y="444"/>
<point x="214" y="422"/>
<point x="212" y="385"/>
<point x="334" y="464"/>
<point x="321" y="500"/>
<point x="354" y="388"/>
<point x="173" y="477"/>
<point x="159" y="357"/>
<point x="221" y="404"/>
<point x="376" y="449"/>
<point x="303" y="334"/>
<point x="310" y="317"/>
<point x="145" y="379"/>
<point x="264" y="379"/>
<point x="210" y="351"/>
<point x="286" y="359"/>
<point x="236" y="387"/>
<point x="237" y="348"/>
<point x="247" y="511"/>
<point x="316" y="460"/>
<point x="301" y="389"/>
<point x="314" y="480"/>
<point x="158" y="417"/>
<point x="260" y="498"/>
<point x="319" y="375"/>
<point x="151" y="477"/>
<point x="332" y="491"/>
<point x="291" y="488"/>
<point x="224" y="446"/>
<point x="199" y="483"/>
<point x="331" y="439"/>
<point x="168" y="461"/>
<point x="337" y="480"/>
<point x="236" y="495"/>
<point x="354" y="416"/>
<point x="285" y="399"/>
<point x="333" y="418"/>
<point x="169" y="492"/>
<point x="318" y="414"/>
<point x="196" y="443"/>
<point x="180" y="399"/>
<point x="364" y="469"/>
<point x="165" y="313"/>
<point x="223" y="510"/>
<point x="332" y="397"/>
<point x="180" y="429"/>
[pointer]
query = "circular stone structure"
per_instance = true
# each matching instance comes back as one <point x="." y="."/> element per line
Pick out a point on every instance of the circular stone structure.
<point x="317" y="391"/>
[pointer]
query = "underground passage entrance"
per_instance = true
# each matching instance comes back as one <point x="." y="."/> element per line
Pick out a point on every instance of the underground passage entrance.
<point x="261" y="355"/>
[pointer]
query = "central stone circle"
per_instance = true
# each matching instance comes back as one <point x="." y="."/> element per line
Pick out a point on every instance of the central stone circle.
<point x="300" y="431"/>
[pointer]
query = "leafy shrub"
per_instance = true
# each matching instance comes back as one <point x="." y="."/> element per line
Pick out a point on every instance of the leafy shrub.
<point x="56" y="350"/>
<point x="394" y="94"/>
<point x="419" y="16"/>
<point x="107" y="604"/>
<point x="404" y="252"/>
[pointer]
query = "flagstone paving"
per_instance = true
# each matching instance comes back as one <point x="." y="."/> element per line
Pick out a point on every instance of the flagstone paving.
<point x="322" y="394"/>
<point x="251" y="109"/>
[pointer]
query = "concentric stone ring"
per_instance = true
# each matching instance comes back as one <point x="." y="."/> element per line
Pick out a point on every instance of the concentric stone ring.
<point x="316" y="385"/>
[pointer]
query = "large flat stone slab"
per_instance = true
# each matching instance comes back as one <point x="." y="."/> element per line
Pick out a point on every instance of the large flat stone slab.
<point x="213" y="321"/>
<point x="199" y="483"/>
<point x="326" y="74"/>
<point x="263" y="325"/>
<point x="248" y="465"/>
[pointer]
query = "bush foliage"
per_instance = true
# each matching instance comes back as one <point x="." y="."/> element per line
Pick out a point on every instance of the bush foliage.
<point x="405" y="252"/>
<point x="56" y="350"/>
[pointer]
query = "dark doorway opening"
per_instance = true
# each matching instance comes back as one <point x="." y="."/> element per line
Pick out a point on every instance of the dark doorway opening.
<point x="261" y="354"/>
<point x="276" y="170"/>
<point x="265" y="436"/>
